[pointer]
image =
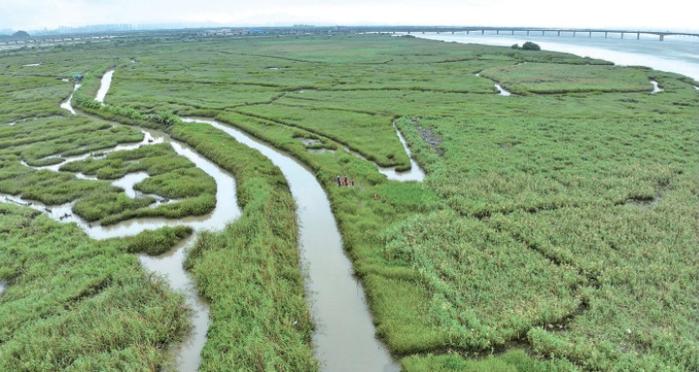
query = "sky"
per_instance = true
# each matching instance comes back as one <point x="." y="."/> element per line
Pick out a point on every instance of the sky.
<point x="51" y="14"/>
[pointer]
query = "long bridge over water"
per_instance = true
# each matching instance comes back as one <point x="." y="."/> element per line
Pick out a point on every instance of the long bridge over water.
<point x="303" y="30"/>
<point x="542" y="31"/>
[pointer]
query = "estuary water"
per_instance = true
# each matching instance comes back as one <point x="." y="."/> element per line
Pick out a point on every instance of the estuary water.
<point x="673" y="55"/>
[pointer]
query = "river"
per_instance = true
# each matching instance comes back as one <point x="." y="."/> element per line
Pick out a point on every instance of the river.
<point x="672" y="55"/>
<point x="344" y="339"/>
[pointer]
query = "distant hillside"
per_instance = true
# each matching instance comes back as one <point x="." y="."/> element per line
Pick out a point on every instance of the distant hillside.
<point x="9" y="35"/>
<point x="21" y="35"/>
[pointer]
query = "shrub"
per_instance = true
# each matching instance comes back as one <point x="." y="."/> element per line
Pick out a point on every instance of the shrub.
<point x="530" y="46"/>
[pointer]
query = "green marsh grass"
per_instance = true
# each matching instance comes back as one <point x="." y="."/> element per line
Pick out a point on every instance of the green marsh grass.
<point x="560" y="220"/>
<point x="250" y="273"/>
<point x="76" y="304"/>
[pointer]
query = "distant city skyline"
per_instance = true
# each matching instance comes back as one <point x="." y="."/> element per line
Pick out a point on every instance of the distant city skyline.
<point x="53" y="14"/>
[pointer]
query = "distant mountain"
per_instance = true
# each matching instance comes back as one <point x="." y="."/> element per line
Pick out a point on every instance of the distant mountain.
<point x="21" y="35"/>
<point x="8" y="35"/>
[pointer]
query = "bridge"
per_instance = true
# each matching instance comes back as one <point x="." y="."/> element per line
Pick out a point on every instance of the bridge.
<point x="540" y="31"/>
<point x="296" y="30"/>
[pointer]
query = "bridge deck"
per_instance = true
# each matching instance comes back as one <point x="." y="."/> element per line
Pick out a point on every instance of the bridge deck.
<point x="240" y="31"/>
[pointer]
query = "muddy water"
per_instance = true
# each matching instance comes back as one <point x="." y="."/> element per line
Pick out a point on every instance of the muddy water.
<point x="149" y="138"/>
<point x="415" y="173"/>
<point x="502" y="91"/>
<point x="345" y="336"/>
<point x="225" y="212"/>
<point x="68" y="103"/>
<point x="104" y="86"/>
<point x="128" y="182"/>
<point x="169" y="265"/>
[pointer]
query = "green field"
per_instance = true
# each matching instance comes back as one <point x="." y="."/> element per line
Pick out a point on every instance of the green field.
<point x="556" y="228"/>
<point x="76" y="304"/>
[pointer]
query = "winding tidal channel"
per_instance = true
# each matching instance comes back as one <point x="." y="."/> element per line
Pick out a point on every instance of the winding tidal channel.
<point x="345" y="336"/>
<point x="169" y="265"/>
<point x="344" y="339"/>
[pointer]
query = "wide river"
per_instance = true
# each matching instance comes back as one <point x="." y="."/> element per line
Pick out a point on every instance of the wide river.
<point x="674" y="55"/>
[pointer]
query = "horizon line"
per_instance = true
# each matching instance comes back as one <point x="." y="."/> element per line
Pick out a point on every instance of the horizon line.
<point x="203" y="25"/>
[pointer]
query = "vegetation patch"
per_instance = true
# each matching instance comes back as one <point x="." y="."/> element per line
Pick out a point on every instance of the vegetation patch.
<point x="157" y="242"/>
<point x="511" y="361"/>
<point x="485" y="289"/>
<point x="544" y="78"/>
<point x="64" y="286"/>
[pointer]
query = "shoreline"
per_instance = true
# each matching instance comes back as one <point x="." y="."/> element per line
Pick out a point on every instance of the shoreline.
<point x="620" y="56"/>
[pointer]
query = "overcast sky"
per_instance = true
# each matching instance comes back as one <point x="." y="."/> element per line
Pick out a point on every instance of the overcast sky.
<point x="39" y="14"/>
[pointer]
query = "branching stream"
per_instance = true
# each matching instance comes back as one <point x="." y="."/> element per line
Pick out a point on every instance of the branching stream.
<point x="169" y="265"/>
<point x="345" y="335"/>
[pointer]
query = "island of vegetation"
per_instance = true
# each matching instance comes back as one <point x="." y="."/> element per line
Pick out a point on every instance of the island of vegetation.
<point x="528" y="45"/>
